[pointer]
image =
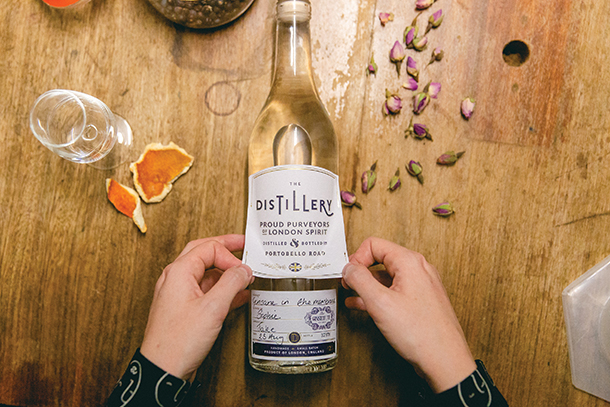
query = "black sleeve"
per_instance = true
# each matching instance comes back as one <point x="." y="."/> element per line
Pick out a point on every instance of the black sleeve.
<point x="146" y="384"/>
<point x="477" y="390"/>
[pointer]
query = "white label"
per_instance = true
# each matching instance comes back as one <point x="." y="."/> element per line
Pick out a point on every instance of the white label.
<point x="294" y="325"/>
<point x="295" y="223"/>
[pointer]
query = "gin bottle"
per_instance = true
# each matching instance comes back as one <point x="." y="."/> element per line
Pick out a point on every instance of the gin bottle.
<point x="295" y="241"/>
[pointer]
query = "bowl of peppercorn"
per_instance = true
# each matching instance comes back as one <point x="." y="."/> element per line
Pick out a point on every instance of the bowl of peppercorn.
<point x="201" y="13"/>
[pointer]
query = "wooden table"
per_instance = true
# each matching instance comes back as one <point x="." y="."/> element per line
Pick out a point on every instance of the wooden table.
<point x="531" y="192"/>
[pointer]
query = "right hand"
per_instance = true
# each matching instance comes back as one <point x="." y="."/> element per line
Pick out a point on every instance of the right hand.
<point x="414" y="313"/>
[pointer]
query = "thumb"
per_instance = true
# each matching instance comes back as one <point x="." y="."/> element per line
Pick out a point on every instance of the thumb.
<point x="360" y="279"/>
<point x="232" y="282"/>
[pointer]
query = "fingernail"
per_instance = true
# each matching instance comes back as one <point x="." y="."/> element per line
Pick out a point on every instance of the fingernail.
<point x="246" y="270"/>
<point x="347" y="268"/>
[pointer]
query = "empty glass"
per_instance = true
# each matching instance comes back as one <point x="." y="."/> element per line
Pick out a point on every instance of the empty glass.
<point x="81" y="128"/>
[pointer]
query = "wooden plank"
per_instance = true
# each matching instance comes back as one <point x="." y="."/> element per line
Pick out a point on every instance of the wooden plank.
<point x="530" y="192"/>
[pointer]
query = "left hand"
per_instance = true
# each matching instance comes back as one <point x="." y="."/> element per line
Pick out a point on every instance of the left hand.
<point x="192" y="299"/>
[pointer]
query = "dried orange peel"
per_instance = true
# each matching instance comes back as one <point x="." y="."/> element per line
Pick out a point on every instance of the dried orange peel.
<point x="158" y="167"/>
<point x="126" y="201"/>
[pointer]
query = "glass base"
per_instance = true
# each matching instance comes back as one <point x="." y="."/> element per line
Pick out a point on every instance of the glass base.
<point x="122" y="149"/>
<point x="293" y="367"/>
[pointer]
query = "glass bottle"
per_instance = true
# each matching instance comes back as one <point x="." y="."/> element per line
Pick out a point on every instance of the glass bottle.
<point x="293" y="128"/>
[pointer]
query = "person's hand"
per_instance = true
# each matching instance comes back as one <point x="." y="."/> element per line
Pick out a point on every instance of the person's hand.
<point x="413" y="313"/>
<point x="192" y="299"/>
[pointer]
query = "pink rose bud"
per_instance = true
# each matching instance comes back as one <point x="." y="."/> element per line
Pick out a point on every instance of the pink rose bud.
<point x="421" y="131"/>
<point x="392" y="104"/>
<point x="409" y="35"/>
<point x="420" y="43"/>
<point x="411" y="32"/>
<point x="449" y="158"/>
<point x="437" y="55"/>
<point x="420" y="101"/>
<point x="410" y="84"/>
<point x="385" y="17"/>
<point x="415" y="169"/>
<point x="372" y="68"/>
<point x="412" y="68"/>
<point x="435" y="20"/>
<point x="395" y="181"/>
<point x="397" y="55"/>
<point x="349" y="199"/>
<point x="443" y="209"/>
<point x="369" y="177"/>
<point x="467" y="107"/>
<point x="433" y="89"/>
<point x="423" y="4"/>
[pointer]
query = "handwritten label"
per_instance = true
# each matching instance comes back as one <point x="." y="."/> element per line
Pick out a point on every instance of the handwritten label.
<point x="294" y="325"/>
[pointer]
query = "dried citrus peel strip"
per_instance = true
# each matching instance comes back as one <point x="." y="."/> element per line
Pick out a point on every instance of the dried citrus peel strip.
<point x="126" y="201"/>
<point x="158" y="167"/>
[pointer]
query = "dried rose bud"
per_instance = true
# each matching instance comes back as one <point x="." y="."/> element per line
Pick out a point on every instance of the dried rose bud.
<point x="397" y="55"/>
<point x="420" y="101"/>
<point x="372" y="68"/>
<point x="369" y="177"/>
<point x="410" y="32"/>
<point x="420" y="43"/>
<point x="437" y="55"/>
<point x="415" y="169"/>
<point x="421" y="131"/>
<point x="349" y="199"/>
<point x="423" y="4"/>
<point x="395" y="181"/>
<point x="410" y="84"/>
<point x="412" y="68"/>
<point x="449" y="158"/>
<point x="385" y="17"/>
<point x="392" y="104"/>
<point x="467" y="107"/>
<point x="433" y="89"/>
<point x="409" y="35"/>
<point x="443" y="209"/>
<point x="435" y="20"/>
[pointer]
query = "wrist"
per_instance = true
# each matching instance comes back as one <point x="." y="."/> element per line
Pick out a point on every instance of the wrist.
<point x="169" y="363"/>
<point x="477" y="389"/>
<point x="146" y="384"/>
<point x="445" y="373"/>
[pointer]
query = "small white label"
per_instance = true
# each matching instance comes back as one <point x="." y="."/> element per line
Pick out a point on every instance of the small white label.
<point x="294" y="325"/>
<point x="295" y="223"/>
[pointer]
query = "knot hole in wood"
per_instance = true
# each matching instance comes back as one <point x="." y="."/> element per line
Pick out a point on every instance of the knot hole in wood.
<point x="516" y="53"/>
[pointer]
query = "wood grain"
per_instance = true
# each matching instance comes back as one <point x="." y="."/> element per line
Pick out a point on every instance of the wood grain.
<point x="76" y="277"/>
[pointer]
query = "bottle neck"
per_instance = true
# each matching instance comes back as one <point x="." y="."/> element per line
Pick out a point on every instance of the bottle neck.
<point x="293" y="46"/>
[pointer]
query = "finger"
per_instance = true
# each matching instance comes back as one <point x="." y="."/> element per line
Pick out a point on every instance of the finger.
<point x="210" y="278"/>
<point x="206" y="255"/>
<point x="240" y="299"/>
<point x="360" y="279"/>
<point x="393" y="256"/>
<point x="232" y="242"/>
<point x="355" y="303"/>
<point x="381" y="275"/>
<point x="232" y="282"/>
